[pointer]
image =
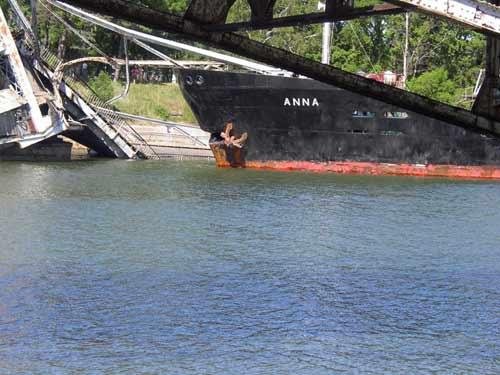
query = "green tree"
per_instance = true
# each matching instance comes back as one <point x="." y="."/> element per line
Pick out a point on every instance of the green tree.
<point x="435" y="84"/>
<point x="102" y="86"/>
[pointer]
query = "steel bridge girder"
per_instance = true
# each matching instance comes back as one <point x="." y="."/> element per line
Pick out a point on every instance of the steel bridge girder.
<point x="479" y="15"/>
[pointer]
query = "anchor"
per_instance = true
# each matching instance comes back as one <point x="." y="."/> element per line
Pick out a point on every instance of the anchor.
<point x="231" y="140"/>
<point x="229" y="149"/>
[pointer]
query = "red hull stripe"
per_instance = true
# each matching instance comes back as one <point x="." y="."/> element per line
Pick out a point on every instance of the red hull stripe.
<point x="378" y="169"/>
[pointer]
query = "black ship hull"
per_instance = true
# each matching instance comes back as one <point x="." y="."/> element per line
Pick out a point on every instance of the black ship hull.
<point x="294" y="123"/>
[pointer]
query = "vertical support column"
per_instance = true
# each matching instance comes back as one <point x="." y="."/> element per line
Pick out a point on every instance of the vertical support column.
<point x="407" y="48"/>
<point x="488" y="100"/>
<point x="331" y="7"/>
<point x="326" y="49"/>
<point x="261" y="9"/>
<point x="326" y="45"/>
<point x="334" y="5"/>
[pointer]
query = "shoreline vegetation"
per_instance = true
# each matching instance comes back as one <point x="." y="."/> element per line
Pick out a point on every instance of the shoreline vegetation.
<point x="163" y="101"/>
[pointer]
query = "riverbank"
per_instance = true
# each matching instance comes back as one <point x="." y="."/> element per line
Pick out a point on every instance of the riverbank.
<point x="161" y="101"/>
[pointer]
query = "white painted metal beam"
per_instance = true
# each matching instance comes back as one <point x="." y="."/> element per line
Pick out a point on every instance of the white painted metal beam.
<point x="20" y="16"/>
<point x="133" y="34"/>
<point x="40" y="123"/>
<point x="479" y="15"/>
<point x="168" y="64"/>
<point x="157" y="53"/>
<point x="9" y="100"/>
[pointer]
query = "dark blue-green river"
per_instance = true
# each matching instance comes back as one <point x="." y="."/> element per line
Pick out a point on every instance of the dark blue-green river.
<point x="116" y="267"/>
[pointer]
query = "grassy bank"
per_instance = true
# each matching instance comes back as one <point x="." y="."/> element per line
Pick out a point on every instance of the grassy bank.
<point x="161" y="101"/>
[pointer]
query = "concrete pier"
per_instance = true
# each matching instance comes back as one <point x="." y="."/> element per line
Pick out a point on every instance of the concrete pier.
<point x="52" y="149"/>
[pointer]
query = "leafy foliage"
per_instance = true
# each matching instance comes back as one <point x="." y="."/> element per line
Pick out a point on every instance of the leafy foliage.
<point x="102" y="86"/>
<point x="163" y="101"/>
<point x="173" y="6"/>
<point x="435" y="84"/>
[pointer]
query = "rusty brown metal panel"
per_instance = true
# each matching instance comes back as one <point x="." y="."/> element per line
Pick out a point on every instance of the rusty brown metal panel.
<point x="243" y="46"/>
<point x="311" y="18"/>
<point x="209" y="11"/>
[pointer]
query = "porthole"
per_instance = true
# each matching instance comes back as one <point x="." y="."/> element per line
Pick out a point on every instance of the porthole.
<point x="200" y="80"/>
<point x="396" y="115"/>
<point x="363" y="114"/>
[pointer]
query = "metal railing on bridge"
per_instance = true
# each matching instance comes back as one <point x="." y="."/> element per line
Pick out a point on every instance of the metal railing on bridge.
<point x="102" y="109"/>
<point x="481" y="15"/>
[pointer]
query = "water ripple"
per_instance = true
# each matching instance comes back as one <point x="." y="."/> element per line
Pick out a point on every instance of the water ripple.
<point x="180" y="268"/>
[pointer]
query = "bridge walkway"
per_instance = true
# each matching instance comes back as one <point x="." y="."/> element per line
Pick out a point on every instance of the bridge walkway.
<point x="87" y="109"/>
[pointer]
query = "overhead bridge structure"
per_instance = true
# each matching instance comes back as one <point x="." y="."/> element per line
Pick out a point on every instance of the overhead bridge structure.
<point x="481" y="15"/>
<point x="205" y="21"/>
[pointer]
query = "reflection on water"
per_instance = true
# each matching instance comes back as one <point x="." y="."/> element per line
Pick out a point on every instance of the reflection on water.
<point x="180" y="268"/>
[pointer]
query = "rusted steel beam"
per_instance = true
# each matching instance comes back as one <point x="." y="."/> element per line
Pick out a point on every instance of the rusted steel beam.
<point x="311" y="18"/>
<point x="262" y="9"/>
<point x="244" y="46"/>
<point x="209" y="11"/>
<point x="482" y="16"/>
<point x="21" y="81"/>
<point x="334" y="5"/>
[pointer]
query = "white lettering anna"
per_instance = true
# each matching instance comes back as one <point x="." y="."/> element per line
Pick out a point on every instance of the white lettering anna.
<point x="301" y="102"/>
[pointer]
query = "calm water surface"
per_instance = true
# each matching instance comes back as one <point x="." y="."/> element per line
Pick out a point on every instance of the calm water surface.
<point x="118" y="267"/>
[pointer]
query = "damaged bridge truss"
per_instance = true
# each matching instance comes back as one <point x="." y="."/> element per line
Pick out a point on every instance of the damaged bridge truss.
<point x="34" y="82"/>
<point x="26" y="114"/>
<point x="86" y="110"/>
<point x="79" y="113"/>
